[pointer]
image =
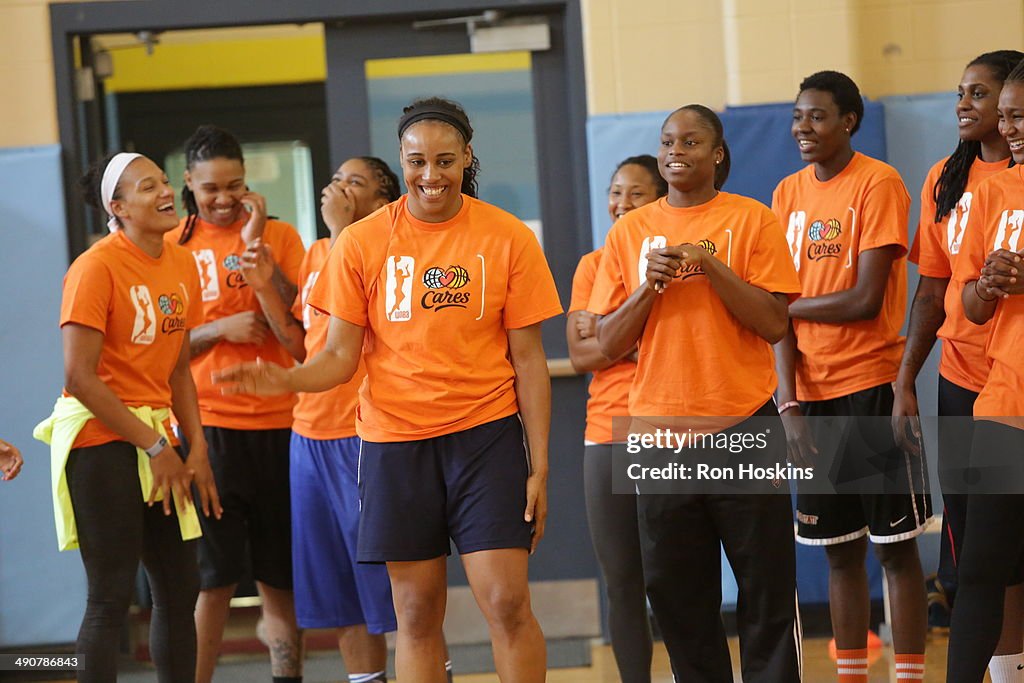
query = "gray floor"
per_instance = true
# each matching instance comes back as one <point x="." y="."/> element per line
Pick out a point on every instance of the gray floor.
<point x="326" y="667"/>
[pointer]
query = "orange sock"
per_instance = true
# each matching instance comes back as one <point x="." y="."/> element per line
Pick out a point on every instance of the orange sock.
<point x="852" y="665"/>
<point x="909" y="668"/>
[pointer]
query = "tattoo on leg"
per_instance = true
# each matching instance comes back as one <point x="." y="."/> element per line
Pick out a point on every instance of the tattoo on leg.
<point x="285" y="657"/>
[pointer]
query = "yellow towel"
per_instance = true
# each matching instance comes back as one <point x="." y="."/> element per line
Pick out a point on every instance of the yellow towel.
<point x="61" y="429"/>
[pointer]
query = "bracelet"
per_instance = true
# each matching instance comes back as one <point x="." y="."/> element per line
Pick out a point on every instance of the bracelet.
<point x="787" y="405"/>
<point x="978" y="292"/>
<point x="157" y="448"/>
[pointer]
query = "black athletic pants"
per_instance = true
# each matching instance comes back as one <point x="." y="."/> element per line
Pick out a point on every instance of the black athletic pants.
<point x="992" y="556"/>
<point x="616" y="539"/>
<point x="115" y="530"/>
<point x="681" y="536"/>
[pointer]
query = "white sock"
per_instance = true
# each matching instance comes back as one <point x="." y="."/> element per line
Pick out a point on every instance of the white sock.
<point x="1007" y="668"/>
<point x="367" y="678"/>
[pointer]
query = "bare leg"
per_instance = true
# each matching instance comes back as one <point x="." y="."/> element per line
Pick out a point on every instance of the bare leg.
<point x="906" y="595"/>
<point x="499" y="582"/>
<point x="848" y="596"/>
<point x="420" y="591"/>
<point x="211" y="615"/>
<point x="283" y="636"/>
<point x="1011" y="641"/>
<point x="362" y="651"/>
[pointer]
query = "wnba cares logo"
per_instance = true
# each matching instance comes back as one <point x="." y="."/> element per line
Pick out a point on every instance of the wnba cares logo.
<point x="233" y="264"/>
<point x="441" y="284"/>
<point x="172" y="306"/>
<point x="822" y="235"/>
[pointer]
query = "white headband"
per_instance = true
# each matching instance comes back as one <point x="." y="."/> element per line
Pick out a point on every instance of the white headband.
<point x="111" y="175"/>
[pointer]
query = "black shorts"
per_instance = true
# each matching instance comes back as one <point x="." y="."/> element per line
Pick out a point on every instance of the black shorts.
<point x="251" y="471"/>
<point x="955" y="437"/>
<point x="469" y="486"/>
<point x="896" y="515"/>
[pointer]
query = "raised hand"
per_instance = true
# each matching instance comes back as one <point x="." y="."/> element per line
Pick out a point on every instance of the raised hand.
<point x="258" y="264"/>
<point x="337" y="206"/>
<point x="256" y="204"/>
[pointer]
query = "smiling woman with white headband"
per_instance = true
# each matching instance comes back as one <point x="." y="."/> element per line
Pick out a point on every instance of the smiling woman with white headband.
<point x="128" y="305"/>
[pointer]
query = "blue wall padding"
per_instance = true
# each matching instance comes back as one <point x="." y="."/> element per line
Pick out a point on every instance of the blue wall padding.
<point x="42" y="592"/>
<point x="763" y="150"/>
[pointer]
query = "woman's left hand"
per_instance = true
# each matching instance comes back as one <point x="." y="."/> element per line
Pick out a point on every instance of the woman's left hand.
<point x="693" y="255"/>
<point x="198" y="461"/>
<point x="536" y="507"/>
<point x="257" y="206"/>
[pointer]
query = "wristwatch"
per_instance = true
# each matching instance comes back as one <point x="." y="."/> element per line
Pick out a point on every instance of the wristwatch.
<point x="158" y="448"/>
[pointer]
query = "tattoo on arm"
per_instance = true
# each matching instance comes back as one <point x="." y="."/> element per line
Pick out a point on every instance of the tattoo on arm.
<point x="926" y="317"/>
<point x="202" y="339"/>
<point x="284" y="288"/>
<point x="287" y="329"/>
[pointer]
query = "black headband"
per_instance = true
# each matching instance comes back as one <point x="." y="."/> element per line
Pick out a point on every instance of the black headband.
<point x="417" y="114"/>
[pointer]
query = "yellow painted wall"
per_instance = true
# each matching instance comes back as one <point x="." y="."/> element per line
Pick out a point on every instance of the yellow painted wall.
<point x="645" y="55"/>
<point x="641" y="55"/>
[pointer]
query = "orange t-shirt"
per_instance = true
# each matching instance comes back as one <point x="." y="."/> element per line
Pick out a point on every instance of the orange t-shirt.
<point x="828" y="225"/>
<point x="609" y="388"/>
<point x="695" y="357"/>
<point x="437" y="301"/>
<point x="217" y="251"/>
<point x="330" y="414"/>
<point x="142" y="305"/>
<point x="935" y="250"/>
<point x="997" y="216"/>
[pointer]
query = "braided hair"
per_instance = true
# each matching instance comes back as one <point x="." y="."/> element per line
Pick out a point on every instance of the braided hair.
<point x="452" y="113"/>
<point x="649" y="164"/>
<point x="208" y="142"/>
<point x="387" y="180"/>
<point x="953" y="179"/>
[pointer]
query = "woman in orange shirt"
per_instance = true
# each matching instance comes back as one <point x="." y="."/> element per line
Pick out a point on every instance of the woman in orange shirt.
<point x="248" y="436"/>
<point x="454" y="413"/>
<point x="989" y="267"/>
<point x="846" y="217"/>
<point x="129" y="303"/>
<point x="332" y="590"/>
<point x="937" y="312"/>
<point x="612" y="518"/>
<point x="698" y="281"/>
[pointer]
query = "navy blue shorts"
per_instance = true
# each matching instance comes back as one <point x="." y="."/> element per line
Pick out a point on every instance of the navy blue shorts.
<point x="332" y="589"/>
<point x="469" y="486"/>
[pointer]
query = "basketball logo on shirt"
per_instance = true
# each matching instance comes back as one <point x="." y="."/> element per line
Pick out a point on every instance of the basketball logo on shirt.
<point x="235" y="279"/>
<point x="690" y="271"/>
<point x="1009" y="229"/>
<point x="795" y="235"/>
<point x="650" y="243"/>
<point x="144" y="328"/>
<point x="822" y="234"/>
<point x="398" y="288"/>
<point x="958" y="223"/>
<point x="307" y="310"/>
<point x="206" y="262"/>
<point x="440" y="285"/>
